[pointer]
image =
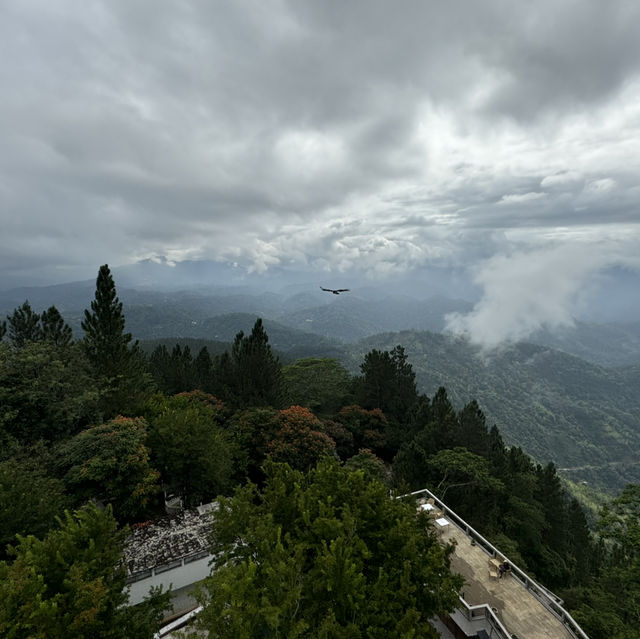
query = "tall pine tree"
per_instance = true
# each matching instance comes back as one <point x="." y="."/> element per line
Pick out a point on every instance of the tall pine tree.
<point x="54" y="328"/>
<point x="251" y="375"/>
<point x="388" y="383"/>
<point x="117" y="364"/>
<point x="24" y="326"/>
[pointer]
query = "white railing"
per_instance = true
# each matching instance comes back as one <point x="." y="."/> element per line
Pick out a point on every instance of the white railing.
<point x="178" y="623"/>
<point x="548" y="599"/>
<point x="159" y="569"/>
<point x="485" y="612"/>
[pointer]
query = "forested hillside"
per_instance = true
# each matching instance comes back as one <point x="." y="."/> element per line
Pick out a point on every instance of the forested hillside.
<point x="583" y="417"/>
<point x="302" y="457"/>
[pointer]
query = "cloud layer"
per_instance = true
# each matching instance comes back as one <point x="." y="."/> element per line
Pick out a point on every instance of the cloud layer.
<point x="321" y="134"/>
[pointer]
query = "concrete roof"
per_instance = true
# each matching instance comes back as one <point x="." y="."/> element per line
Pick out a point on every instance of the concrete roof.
<point x="168" y="539"/>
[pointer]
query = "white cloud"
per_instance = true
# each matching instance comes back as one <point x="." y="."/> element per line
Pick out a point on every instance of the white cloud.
<point x="356" y="136"/>
<point x="525" y="291"/>
<point x="561" y="179"/>
<point x="523" y="198"/>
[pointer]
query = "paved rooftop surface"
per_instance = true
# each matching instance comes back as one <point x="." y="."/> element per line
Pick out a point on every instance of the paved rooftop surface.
<point x="168" y="539"/>
<point x="519" y="611"/>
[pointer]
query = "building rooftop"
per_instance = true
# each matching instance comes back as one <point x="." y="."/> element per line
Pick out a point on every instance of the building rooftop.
<point x="523" y="608"/>
<point x="168" y="540"/>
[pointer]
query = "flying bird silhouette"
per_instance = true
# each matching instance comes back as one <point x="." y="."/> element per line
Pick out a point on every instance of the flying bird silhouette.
<point x="335" y="291"/>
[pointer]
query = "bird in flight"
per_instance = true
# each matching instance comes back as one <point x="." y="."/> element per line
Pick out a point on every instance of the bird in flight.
<point x="335" y="291"/>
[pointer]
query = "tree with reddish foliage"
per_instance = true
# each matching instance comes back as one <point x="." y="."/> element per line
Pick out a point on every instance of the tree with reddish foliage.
<point x="366" y="426"/>
<point x="299" y="440"/>
<point x="341" y="436"/>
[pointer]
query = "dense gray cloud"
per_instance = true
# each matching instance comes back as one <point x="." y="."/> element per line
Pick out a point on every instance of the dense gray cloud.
<point x="328" y="135"/>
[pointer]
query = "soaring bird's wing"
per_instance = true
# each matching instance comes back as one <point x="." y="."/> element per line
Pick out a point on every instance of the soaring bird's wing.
<point x="335" y="291"/>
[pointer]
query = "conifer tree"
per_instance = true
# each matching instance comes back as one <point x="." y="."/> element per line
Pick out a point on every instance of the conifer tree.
<point x="3" y="330"/>
<point x="24" y="325"/>
<point x="117" y="364"/>
<point x="54" y="328"/>
<point x="252" y="374"/>
<point x="388" y="383"/>
<point x="160" y="367"/>
<point x="326" y="554"/>
<point x="105" y="341"/>
<point x="202" y="370"/>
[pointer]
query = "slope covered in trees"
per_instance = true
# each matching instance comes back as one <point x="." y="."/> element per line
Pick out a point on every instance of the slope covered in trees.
<point x="583" y="417"/>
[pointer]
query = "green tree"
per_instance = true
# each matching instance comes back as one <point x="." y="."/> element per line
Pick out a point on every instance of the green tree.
<point x="620" y="528"/>
<point x="196" y="456"/>
<point x="111" y="462"/>
<point x="24" y="326"/>
<point x="388" y="383"/>
<point x="608" y="606"/>
<point x="54" y="328"/>
<point x="251" y="375"/>
<point x="71" y="584"/>
<point x="372" y="466"/>
<point x="321" y="384"/>
<point x="118" y="365"/>
<point x="3" y="330"/>
<point x="327" y="554"/>
<point x="252" y="429"/>
<point x="30" y="500"/>
<point x="46" y="392"/>
<point x="203" y="370"/>
<point x="472" y="431"/>
<point x="459" y="468"/>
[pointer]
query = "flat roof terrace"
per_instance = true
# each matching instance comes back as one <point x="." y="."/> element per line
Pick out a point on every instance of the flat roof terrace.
<point x="523" y="608"/>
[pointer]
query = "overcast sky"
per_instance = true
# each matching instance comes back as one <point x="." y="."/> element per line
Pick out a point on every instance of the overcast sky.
<point x="498" y="136"/>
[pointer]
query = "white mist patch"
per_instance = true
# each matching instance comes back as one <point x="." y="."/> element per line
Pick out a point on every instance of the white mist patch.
<point x="527" y="291"/>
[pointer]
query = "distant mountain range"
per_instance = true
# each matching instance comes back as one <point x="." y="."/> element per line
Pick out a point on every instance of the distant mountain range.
<point x="345" y="318"/>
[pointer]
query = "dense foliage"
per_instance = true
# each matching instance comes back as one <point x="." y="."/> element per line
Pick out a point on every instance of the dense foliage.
<point x="70" y="585"/>
<point x="197" y="458"/>
<point x="96" y="420"/>
<point x="552" y="404"/>
<point x="326" y="554"/>
<point x="111" y="462"/>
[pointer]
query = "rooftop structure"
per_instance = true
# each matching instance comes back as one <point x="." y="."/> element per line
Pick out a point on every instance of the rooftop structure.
<point x="157" y="544"/>
<point x="175" y="550"/>
<point x="513" y="606"/>
<point x="172" y="551"/>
